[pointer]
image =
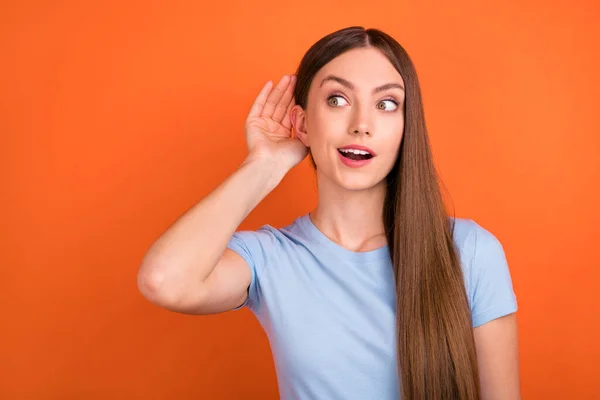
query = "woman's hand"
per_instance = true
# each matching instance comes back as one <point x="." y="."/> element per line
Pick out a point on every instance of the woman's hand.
<point x="269" y="128"/>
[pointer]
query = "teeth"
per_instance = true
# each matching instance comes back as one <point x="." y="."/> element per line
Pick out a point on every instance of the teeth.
<point x="361" y="152"/>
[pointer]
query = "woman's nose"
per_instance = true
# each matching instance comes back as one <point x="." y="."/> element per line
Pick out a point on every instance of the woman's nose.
<point x="357" y="131"/>
<point x="361" y="124"/>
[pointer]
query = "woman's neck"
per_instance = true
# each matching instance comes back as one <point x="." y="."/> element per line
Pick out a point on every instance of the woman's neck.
<point x="352" y="219"/>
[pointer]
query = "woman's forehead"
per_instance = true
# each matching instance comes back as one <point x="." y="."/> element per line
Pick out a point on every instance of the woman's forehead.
<point x="363" y="68"/>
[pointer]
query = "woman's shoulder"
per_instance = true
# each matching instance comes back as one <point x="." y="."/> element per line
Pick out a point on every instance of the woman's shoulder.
<point x="472" y="239"/>
<point x="487" y="274"/>
<point x="272" y="235"/>
<point x="482" y="255"/>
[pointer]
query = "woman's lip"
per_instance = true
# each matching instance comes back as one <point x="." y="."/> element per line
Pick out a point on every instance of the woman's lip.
<point x="358" y="147"/>
<point x="354" y="163"/>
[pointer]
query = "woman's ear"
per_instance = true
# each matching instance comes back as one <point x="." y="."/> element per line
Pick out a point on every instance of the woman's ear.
<point x="298" y="119"/>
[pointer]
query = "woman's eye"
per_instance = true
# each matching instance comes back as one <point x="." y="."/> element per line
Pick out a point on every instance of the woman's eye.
<point x="387" y="105"/>
<point x="336" y="101"/>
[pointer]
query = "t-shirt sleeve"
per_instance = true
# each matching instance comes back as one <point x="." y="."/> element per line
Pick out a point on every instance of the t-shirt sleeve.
<point x="253" y="247"/>
<point x="492" y="289"/>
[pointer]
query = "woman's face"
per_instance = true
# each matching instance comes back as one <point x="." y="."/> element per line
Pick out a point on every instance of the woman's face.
<point x="355" y="105"/>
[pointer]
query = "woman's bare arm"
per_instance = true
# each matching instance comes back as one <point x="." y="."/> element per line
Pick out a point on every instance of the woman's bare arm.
<point x="189" y="269"/>
<point x="498" y="358"/>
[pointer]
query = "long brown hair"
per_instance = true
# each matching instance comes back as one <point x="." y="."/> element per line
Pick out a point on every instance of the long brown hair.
<point x="436" y="348"/>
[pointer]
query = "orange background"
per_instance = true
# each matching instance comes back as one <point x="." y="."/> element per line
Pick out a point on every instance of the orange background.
<point x="117" y="116"/>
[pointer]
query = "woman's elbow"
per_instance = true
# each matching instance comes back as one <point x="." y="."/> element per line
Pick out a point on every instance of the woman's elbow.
<point x="158" y="288"/>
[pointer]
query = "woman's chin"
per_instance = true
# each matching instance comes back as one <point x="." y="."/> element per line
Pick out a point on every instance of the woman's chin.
<point x="355" y="184"/>
<point x="351" y="181"/>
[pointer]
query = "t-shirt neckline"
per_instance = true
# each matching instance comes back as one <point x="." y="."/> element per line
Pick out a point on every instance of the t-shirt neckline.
<point x="340" y="251"/>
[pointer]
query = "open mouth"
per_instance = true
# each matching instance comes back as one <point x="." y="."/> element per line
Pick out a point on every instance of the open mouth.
<point x="356" y="155"/>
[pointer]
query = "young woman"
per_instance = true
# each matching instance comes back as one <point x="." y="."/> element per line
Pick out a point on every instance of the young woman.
<point x="375" y="294"/>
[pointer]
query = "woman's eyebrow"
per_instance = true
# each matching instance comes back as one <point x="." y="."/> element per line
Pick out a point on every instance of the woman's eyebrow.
<point x="337" y="79"/>
<point x="350" y="86"/>
<point x="388" y="86"/>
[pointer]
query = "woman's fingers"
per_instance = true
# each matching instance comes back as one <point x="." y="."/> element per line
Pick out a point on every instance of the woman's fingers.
<point x="286" y="122"/>
<point x="261" y="99"/>
<point x="275" y="97"/>
<point x="285" y="101"/>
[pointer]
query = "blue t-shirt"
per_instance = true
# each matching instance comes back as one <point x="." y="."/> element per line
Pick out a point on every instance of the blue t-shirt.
<point x="329" y="313"/>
